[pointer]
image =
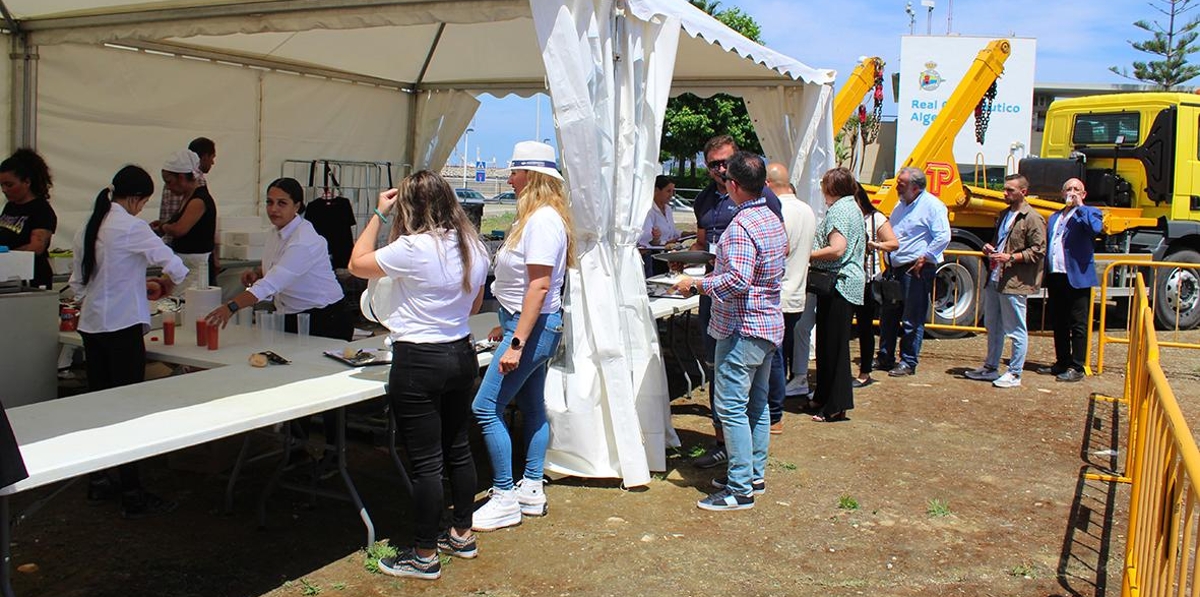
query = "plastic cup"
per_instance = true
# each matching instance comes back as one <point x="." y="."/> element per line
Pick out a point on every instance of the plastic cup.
<point x="263" y="323"/>
<point x="169" y="332"/>
<point x="303" y="325"/>
<point x="201" y="332"/>
<point x="277" y="327"/>
<point x="214" y="333"/>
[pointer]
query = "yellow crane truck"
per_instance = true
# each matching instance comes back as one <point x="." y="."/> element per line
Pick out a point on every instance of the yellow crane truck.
<point x="1137" y="153"/>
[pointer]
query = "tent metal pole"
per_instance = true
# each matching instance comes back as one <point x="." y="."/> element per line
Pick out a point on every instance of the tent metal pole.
<point x="23" y="129"/>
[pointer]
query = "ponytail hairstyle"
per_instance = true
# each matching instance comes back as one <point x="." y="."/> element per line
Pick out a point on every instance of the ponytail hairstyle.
<point x="294" y="191"/>
<point x="27" y="165"/>
<point x="130" y="181"/>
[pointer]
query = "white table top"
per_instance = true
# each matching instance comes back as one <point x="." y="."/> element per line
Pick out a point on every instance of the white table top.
<point x="662" y="307"/>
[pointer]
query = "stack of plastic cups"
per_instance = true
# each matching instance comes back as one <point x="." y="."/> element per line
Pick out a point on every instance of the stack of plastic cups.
<point x="303" y="324"/>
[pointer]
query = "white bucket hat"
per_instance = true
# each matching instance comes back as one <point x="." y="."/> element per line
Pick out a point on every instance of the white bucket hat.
<point x="538" y="157"/>
<point x="183" y="162"/>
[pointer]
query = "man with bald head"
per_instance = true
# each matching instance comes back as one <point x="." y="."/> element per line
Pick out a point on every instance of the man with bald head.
<point x="1070" y="276"/>
<point x="799" y="308"/>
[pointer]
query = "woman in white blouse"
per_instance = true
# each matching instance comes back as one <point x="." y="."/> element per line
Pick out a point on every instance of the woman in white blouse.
<point x="530" y="269"/>
<point x="295" y="271"/>
<point x="659" y="227"/>
<point x="438" y="267"/>
<point x="111" y="256"/>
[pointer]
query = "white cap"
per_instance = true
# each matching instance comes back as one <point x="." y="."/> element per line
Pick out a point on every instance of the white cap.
<point x="183" y="162"/>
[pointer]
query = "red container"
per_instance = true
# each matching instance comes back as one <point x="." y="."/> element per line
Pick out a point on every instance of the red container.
<point x="169" y="331"/>
<point x="214" y="331"/>
<point x="68" y="319"/>
<point x="201" y="332"/>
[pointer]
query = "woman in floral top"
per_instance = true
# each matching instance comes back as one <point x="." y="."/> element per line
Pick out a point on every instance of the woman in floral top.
<point x="838" y="247"/>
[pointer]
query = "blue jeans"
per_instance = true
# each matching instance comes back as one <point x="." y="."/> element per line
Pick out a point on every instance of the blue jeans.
<point x="743" y="371"/>
<point x="526" y="383"/>
<point x="1004" y="317"/>
<point x="906" y="320"/>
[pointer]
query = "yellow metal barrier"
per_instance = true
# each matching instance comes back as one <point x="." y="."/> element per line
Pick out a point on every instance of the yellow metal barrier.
<point x="1164" y="470"/>
<point x="1132" y="262"/>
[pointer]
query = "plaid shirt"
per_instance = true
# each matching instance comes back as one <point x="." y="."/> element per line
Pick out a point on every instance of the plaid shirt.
<point x="745" y="284"/>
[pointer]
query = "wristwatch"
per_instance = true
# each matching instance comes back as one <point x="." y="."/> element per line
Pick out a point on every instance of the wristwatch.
<point x="516" y="344"/>
<point x="695" y="288"/>
<point x="233" y="306"/>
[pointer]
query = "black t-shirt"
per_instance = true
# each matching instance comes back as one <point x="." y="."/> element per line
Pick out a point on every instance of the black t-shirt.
<point x="333" y="218"/>
<point x="17" y="223"/>
<point x="200" y="239"/>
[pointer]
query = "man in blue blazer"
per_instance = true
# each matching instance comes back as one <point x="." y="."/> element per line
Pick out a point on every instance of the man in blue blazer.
<point x="1070" y="276"/>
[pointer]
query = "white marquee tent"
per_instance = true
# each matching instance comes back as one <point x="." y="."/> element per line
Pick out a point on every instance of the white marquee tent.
<point x="97" y="84"/>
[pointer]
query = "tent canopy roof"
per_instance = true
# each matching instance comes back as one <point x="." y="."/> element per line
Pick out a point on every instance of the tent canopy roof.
<point x="464" y="44"/>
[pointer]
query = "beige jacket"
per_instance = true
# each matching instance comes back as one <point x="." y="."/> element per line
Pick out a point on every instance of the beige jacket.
<point x="1027" y="238"/>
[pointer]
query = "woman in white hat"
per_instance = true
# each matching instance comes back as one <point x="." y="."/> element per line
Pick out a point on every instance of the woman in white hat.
<point x="530" y="269"/>
<point x="194" y="228"/>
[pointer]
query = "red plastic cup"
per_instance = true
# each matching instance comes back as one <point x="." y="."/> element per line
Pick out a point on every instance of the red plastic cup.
<point x="169" y="332"/>
<point x="201" y="332"/>
<point x="214" y="331"/>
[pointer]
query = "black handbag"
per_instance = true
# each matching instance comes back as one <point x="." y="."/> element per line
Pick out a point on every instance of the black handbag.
<point x="821" y="281"/>
<point x="885" y="289"/>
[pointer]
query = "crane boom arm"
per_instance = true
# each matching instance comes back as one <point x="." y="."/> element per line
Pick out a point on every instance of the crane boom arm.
<point x="862" y="79"/>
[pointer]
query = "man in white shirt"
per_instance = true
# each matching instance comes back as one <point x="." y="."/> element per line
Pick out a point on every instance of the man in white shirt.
<point x="799" y="309"/>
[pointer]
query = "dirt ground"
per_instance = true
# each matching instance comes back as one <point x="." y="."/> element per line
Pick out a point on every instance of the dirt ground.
<point x="936" y="486"/>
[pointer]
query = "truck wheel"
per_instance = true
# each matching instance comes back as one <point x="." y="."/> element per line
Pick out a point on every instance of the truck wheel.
<point x="956" y="289"/>
<point x="1178" y="293"/>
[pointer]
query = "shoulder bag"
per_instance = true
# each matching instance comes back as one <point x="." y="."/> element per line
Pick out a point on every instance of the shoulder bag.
<point x="885" y="289"/>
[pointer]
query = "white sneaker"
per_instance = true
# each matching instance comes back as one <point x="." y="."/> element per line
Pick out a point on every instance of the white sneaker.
<point x="984" y="373"/>
<point x="1008" y="380"/>
<point x="501" y="510"/>
<point x="532" y="498"/>
<point x="797" y="387"/>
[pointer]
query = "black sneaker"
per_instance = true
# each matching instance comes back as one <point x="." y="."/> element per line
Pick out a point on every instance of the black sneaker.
<point x="460" y="548"/>
<point x="902" y="370"/>
<point x="723" y="500"/>
<point x="757" y="486"/>
<point x="713" y="457"/>
<point x="140" y="504"/>
<point x="408" y="564"/>
<point x="1052" y="370"/>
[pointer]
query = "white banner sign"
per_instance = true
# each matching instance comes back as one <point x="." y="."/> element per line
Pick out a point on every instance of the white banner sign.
<point x="931" y="68"/>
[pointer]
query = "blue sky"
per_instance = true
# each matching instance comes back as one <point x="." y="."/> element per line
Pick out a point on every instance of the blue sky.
<point x="1077" y="41"/>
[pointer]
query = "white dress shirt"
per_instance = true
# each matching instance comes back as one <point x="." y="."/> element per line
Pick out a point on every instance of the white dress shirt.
<point x="115" y="297"/>
<point x="665" y="222"/>
<point x="800" y="223"/>
<point x="296" y="270"/>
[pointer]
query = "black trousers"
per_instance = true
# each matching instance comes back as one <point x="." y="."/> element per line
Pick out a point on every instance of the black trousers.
<point x="331" y="321"/>
<point x="834" y="391"/>
<point x="116" y="359"/>
<point x="1069" y="315"/>
<point x="864" y="316"/>
<point x="789" y="342"/>
<point x="430" y="388"/>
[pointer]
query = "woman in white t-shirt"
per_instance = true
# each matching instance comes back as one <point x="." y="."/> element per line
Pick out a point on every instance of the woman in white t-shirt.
<point x="112" y="253"/>
<point x="530" y="269"/>
<point x="438" y="267"/>
<point x="880" y="241"/>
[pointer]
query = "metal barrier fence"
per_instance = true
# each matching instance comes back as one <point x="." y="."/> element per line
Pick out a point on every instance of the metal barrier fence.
<point x="1163" y="466"/>
<point x="1128" y="267"/>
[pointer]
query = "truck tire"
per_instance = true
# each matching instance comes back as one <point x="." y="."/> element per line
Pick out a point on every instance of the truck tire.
<point x="1178" y="292"/>
<point x="957" y="288"/>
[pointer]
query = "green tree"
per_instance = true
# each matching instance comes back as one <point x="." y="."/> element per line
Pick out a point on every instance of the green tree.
<point x="1173" y="42"/>
<point x="690" y="121"/>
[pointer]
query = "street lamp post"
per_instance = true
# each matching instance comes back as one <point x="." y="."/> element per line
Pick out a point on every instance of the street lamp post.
<point x="466" y="143"/>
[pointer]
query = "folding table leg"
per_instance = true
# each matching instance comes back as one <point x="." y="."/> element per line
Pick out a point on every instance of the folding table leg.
<point x="233" y="475"/>
<point x="392" y="427"/>
<point x="341" y="462"/>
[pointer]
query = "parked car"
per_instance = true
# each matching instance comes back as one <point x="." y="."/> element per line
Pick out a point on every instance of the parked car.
<point x="469" y="196"/>
<point x="505" y="197"/>
<point x="472" y="201"/>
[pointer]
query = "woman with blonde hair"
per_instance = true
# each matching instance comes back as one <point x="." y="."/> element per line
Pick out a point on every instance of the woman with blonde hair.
<point x="438" y="266"/>
<point x="530" y="269"/>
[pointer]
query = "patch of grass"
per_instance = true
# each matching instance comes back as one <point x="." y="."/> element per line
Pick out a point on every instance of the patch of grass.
<point x="1023" y="570"/>
<point x="497" y="222"/>
<point x="338" y="586"/>
<point x="309" y="588"/>
<point x="379" y="550"/>
<point x="846" y="502"/>
<point x="937" y="508"/>
<point x="696" y="451"/>
<point x="781" y="464"/>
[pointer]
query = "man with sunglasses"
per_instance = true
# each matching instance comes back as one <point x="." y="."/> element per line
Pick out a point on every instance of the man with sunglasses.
<point x="714" y="210"/>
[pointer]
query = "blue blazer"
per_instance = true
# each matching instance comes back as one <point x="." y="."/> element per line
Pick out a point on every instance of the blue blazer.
<point x="1078" y="244"/>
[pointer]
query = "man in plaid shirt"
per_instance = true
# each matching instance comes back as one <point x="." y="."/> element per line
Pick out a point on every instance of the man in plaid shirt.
<point x="747" y="322"/>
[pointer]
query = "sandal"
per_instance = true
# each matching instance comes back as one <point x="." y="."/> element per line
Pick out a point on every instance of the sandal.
<point x="838" y="416"/>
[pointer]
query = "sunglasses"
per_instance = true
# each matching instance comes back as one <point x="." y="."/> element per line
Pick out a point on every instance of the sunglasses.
<point x="713" y="165"/>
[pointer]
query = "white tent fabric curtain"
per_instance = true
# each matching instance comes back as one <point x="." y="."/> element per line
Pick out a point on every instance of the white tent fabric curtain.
<point x="794" y="127"/>
<point x="442" y="116"/>
<point x="605" y="402"/>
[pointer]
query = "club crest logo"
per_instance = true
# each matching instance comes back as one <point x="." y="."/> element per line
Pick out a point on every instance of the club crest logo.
<point x="930" y="79"/>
